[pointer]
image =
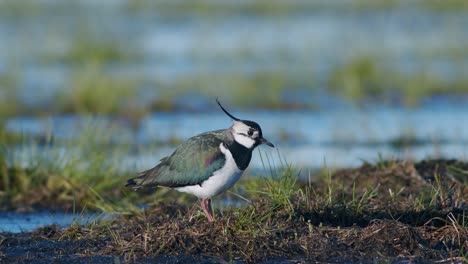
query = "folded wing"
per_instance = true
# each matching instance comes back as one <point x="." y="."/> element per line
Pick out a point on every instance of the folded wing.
<point x="193" y="162"/>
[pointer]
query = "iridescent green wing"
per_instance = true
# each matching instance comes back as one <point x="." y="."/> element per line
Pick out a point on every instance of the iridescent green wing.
<point x="193" y="162"/>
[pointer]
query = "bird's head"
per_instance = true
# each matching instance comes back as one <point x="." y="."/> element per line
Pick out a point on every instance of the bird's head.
<point x="245" y="132"/>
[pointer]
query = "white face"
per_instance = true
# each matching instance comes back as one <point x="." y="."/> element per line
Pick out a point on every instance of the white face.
<point x="244" y="135"/>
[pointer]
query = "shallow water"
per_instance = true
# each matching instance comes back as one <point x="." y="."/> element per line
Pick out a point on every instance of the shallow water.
<point x="24" y="222"/>
<point x="341" y="137"/>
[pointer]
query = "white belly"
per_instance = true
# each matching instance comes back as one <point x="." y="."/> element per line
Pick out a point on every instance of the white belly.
<point x="221" y="180"/>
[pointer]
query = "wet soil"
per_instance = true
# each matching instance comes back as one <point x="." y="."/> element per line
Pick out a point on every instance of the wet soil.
<point x="390" y="211"/>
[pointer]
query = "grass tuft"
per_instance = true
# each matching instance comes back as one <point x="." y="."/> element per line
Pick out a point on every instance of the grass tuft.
<point x="367" y="214"/>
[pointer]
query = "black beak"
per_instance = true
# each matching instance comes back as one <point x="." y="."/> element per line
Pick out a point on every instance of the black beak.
<point x="266" y="142"/>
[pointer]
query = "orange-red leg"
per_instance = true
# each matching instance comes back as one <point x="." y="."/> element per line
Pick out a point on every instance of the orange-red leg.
<point x="206" y="206"/>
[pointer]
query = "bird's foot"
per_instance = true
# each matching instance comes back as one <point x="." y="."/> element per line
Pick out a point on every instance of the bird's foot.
<point x="206" y="206"/>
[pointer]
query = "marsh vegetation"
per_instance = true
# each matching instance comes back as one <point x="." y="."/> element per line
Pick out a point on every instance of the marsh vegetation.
<point x="391" y="210"/>
<point x="146" y="56"/>
<point x="365" y="99"/>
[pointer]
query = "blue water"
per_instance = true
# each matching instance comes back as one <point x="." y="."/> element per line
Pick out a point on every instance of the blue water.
<point x="23" y="222"/>
<point x="341" y="137"/>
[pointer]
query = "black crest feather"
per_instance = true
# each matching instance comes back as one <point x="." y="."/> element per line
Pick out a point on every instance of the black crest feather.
<point x="227" y="113"/>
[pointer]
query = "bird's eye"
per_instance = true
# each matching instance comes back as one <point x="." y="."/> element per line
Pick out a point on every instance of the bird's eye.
<point x="250" y="133"/>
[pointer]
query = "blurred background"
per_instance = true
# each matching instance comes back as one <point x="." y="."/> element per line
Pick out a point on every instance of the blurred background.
<point x="115" y="85"/>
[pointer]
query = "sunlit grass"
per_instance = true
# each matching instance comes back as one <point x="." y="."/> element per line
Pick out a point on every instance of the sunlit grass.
<point x="93" y="89"/>
<point x="259" y="89"/>
<point x="276" y="7"/>
<point x="364" y="79"/>
<point x="265" y="7"/>
<point x="87" y="47"/>
<point x="42" y="174"/>
<point x="9" y="102"/>
<point x="280" y="214"/>
<point x="86" y="170"/>
<point x="448" y="5"/>
<point x="290" y="217"/>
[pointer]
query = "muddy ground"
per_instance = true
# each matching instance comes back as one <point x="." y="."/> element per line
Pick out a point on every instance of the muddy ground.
<point x="391" y="211"/>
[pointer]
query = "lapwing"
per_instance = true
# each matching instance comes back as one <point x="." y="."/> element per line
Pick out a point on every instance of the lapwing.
<point x="207" y="164"/>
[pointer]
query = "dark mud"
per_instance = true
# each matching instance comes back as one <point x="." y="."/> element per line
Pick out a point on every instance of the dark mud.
<point x="390" y="211"/>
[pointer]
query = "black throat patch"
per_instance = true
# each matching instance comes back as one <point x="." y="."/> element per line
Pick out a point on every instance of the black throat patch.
<point x="241" y="154"/>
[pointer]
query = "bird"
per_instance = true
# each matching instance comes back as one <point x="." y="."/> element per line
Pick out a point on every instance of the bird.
<point x="207" y="164"/>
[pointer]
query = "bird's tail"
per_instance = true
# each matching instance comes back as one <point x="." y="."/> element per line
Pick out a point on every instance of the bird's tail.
<point x="132" y="183"/>
<point x="143" y="179"/>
